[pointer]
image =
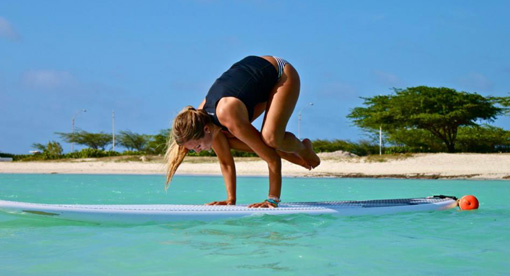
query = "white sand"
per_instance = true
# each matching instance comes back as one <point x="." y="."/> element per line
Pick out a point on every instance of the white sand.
<point x="441" y="165"/>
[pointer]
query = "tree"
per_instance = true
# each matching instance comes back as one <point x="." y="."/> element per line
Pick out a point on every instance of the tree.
<point x="415" y="140"/>
<point x="91" y="140"/>
<point x="503" y="101"/>
<point x="133" y="141"/>
<point x="483" y="139"/>
<point x="52" y="150"/>
<point x="440" y="111"/>
<point x="38" y="146"/>
<point x="158" y="143"/>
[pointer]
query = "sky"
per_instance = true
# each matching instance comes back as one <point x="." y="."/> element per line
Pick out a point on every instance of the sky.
<point x="145" y="60"/>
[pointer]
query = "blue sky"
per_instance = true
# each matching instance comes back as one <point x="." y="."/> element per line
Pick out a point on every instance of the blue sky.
<point x="146" y="60"/>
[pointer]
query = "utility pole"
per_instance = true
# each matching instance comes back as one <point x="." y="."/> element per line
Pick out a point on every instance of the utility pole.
<point x="113" y="130"/>
<point x="299" y="120"/>
<point x="380" y="140"/>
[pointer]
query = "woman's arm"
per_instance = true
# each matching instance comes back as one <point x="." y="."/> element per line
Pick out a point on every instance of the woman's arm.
<point x="201" y="105"/>
<point x="222" y="149"/>
<point x="251" y="137"/>
<point x="232" y="113"/>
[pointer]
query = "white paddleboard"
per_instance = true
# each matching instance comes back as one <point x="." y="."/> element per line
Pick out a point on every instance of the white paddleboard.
<point x="168" y="212"/>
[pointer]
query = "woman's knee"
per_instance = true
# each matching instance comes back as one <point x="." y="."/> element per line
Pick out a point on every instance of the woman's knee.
<point x="271" y="139"/>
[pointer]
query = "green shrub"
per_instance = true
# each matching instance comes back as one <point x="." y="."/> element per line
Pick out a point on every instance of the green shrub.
<point x="483" y="139"/>
<point x="131" y="152"/>
<point x="91" y="153"/>
<point x="361" y="148"/>
<point x="6" y="155"/>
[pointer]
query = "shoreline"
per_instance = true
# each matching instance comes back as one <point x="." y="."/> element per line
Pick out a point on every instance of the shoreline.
<point x="417" y="166"/>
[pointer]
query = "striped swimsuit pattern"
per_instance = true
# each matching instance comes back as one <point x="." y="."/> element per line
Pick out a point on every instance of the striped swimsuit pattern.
<point x="281" y="65"/>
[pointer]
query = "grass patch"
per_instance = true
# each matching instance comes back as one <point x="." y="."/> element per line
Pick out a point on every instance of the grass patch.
<point x="387" y="157"/>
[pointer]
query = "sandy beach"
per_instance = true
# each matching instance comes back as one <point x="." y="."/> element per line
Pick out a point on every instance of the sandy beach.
<point x="439" y="165"/>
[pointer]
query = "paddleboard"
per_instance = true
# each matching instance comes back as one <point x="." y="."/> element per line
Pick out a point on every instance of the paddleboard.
<point x="168" y="212"/>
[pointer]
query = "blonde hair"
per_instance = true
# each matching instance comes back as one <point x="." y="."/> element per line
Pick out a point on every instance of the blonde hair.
<point x="188" y="125"/>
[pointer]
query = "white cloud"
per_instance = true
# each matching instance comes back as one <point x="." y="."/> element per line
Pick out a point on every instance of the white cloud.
<point x="47" y="79"/>
<point x="7" y="31"/>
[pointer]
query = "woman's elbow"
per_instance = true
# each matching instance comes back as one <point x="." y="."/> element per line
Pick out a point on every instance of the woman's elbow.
<point x="274" y="162"/>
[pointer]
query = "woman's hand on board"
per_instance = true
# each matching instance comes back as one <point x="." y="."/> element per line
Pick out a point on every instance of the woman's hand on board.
<point x="265" y="204"/>
<point x="224" y="202"/>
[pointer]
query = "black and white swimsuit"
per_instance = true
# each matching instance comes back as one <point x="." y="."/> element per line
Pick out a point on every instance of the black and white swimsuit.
<point x="250" y="80"/>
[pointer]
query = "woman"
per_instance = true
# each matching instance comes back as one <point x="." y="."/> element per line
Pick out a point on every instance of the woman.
<point x="223" y="122"/>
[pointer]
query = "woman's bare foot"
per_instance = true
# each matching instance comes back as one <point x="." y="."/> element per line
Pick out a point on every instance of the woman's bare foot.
<point x="309" y="155"/>
<point x="294" y="158"/>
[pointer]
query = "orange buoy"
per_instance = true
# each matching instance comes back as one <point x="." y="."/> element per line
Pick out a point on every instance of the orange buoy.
<point x="468" y="202"/>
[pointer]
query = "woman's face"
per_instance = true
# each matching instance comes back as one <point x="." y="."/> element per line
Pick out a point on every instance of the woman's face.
<point x="201" y="144"/>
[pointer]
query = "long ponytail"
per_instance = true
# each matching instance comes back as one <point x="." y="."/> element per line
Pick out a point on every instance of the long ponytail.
<point x="188" y="125"/>
<point x="174" y="156"/>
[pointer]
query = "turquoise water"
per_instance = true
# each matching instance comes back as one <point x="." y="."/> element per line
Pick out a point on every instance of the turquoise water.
<point x="431" y="243"/>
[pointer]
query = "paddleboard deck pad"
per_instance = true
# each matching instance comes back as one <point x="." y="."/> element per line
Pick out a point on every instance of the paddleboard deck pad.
<point x="168" y="212"/>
